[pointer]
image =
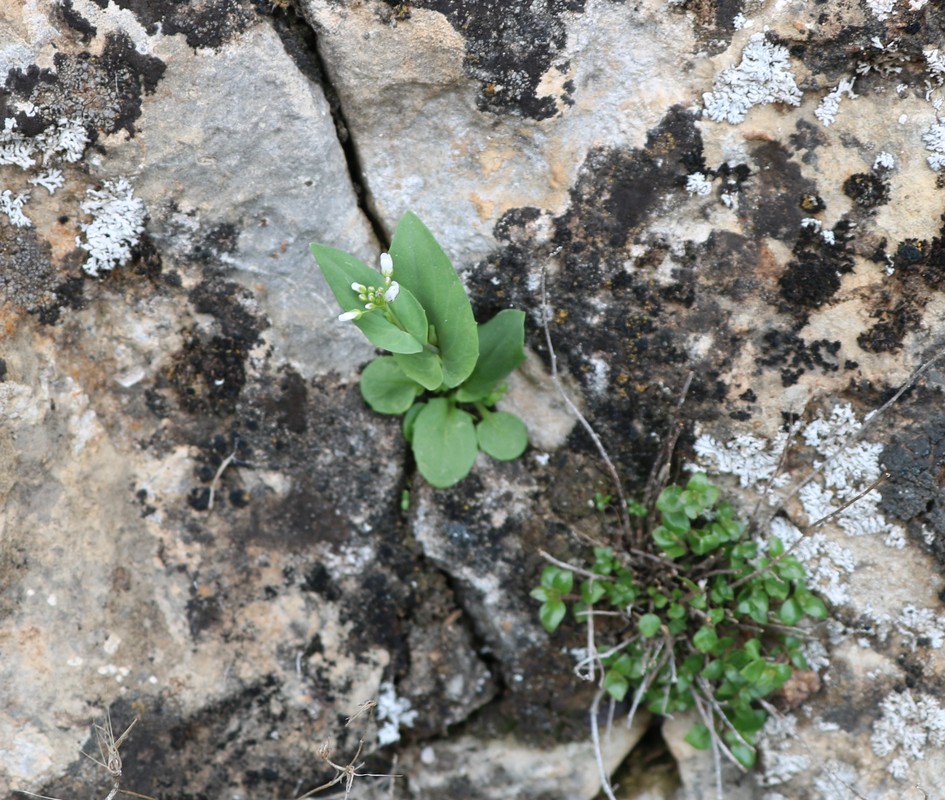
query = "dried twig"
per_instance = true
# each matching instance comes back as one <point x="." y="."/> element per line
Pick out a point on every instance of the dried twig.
<point x="347" y="772"/>
<point x="598" y="754"/>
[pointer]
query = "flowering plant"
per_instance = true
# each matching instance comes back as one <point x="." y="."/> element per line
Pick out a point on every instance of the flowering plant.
<point x="445" y="372"/>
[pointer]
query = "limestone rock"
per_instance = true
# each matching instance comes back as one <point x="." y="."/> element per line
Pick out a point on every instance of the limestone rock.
<point x="202" y="522"/>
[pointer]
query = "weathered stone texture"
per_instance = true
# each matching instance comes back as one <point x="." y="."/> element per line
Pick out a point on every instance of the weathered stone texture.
<point x="202" y="522"/>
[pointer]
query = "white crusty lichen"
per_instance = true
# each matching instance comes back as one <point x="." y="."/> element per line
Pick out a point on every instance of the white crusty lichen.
<point x="781" y="762"/>
<point x="935" y="63"/>
<point x="393" y="711"/>
<point x="908" y="725"/>
<point x="884" y="160"/>
<point x="12" y="206"/>
<point x="881" y="8"/>
<point x="116" y="226"/>
<point x="763" y="76"/>
<point x="844" y="469"/>
<point x="934" y="138"/>
<point x="827" y="111"/>
<point x="697" y="183"/>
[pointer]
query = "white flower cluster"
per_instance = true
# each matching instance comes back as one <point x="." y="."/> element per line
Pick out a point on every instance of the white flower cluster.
<point x="934" y="139"/>
<point x="117" y="223"/>
<point x="763" y="76"/>
<point x="393" y="711"/>
<point x="375" y="296"/>
<point x="907" y="727"/>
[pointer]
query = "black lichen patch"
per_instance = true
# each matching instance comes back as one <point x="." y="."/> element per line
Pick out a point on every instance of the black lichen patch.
<point x="509" y="49"/>
<point x="771" y="201"/>
<point x="209" y="372"/>
<point x="918" y="272"/>
<point x="205" y="23"/>
<point x="620" y="330"/>
<point x="913" y="493"/>
<point x="813" y="276"/>
<point x="102" y="91"/>
<point x="712" y="18"/>
<point x="618" y="191"/>
<point x="231" y="305"/>
<point x="795" y="356"/>
<point x="867" y="189"/>
<point x="67" y="13"/>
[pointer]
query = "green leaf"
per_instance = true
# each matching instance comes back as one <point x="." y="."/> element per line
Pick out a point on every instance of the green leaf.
<point x="813" y="606"/>
<point x="501" y="349"/>
<point x="557" y="580"/>
<point x="424" y="367"/>
<point x="421" y="266"/>
<point x="616" y="685"/>
<point x="410" y="418"/>
<point x="592" y="591"/>
<point x="386" y="389"/>
<point x="676" y="520"/>
<point x="410" y="313"/>
<point x="743" y="754"/>
<point x="649" y="625"/>
<point x="790" y="569"/>
<point x="704" y="543"/>
<point x="551" y="613"/>
<point x="502" y="435"/>
<point x="444" y="443"/>
<point x="699" y="736"/>
<point x="790" y="612"/>
<point x="705" y="639"/>
<point x="777" y="589"/>
<point x="341" y="270"/>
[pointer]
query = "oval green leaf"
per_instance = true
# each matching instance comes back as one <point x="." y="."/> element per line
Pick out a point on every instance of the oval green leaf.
<point x="424" y="367"/>
<point x="444" y="443"/>
<point x="421" y="266"/>
<point x="649" y="625"/>
<point x="502" y="435"/>
<point x="501" y="349"/>
<point x="386" y="388"/>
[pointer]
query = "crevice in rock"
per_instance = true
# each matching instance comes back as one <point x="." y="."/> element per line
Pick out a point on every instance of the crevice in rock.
<point x="301" y="43"/>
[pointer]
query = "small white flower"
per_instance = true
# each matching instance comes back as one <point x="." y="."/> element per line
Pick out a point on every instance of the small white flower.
<point x="349" y="315"/>
<point x="360" y="288"/>
<point x="392" y="291"/>
<point x="387" y="265"/>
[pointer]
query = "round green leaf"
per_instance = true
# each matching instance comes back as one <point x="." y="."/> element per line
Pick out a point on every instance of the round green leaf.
<point x="649" y="625"/>
<point x="444" y="443"/>
<point x="385" y="388"/>
<point x="699" y="737"/>
<point x="551" y="613"/>
<point x="790" y="612"/>
<point x="502" y="435"/>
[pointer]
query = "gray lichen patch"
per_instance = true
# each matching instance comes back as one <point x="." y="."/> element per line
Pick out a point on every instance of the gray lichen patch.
<point x="27" y="278"/>
<point x="102" y="91"/>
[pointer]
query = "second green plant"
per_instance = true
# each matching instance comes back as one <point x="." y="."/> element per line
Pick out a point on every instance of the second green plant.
<point x="445" y="372"/>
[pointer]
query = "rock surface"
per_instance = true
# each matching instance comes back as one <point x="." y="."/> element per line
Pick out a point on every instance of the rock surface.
<point x="202" y="522"/>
